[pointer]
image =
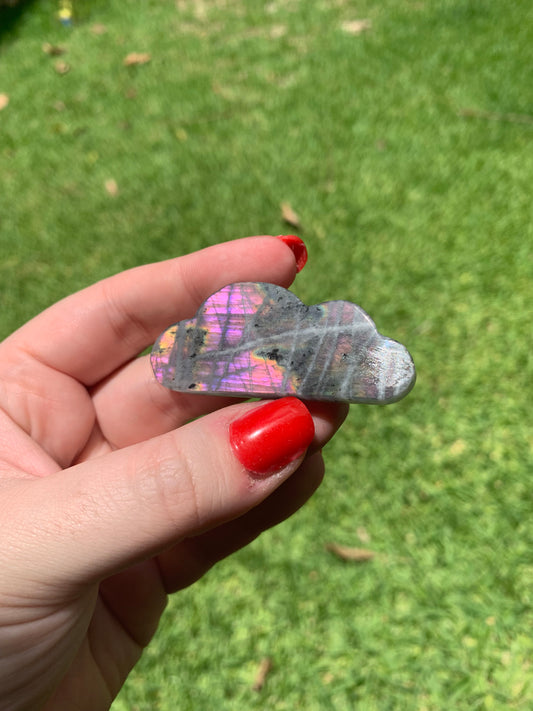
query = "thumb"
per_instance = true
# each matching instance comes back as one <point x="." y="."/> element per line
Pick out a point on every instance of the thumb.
<point x="87" y="522"/>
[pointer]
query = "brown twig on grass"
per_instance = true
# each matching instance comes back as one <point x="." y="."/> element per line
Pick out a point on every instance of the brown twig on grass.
<point x="495" y="116"/>
<point x="357" y="555"/>
<point x="265" y="665"/>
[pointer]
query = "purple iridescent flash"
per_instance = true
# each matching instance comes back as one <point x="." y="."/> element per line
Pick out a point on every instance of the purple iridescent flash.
<point x="259" y="340"/>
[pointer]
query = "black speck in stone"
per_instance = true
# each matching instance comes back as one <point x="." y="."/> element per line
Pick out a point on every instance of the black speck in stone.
<point x="273" y="354"/>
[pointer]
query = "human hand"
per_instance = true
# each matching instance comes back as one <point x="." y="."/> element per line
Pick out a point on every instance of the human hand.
<point x="109" y="500"/>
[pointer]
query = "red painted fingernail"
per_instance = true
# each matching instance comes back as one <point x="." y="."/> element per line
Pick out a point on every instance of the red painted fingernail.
<point x="269" y="437"/>
<point x="298" y="248"/>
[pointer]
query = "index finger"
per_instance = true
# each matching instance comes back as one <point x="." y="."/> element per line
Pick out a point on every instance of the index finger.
<point x="94" y="331"/>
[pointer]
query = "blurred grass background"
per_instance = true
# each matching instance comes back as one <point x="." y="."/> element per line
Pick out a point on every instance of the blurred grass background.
<point x="405" y="146"/>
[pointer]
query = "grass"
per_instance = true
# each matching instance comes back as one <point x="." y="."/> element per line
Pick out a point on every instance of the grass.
<point x="412" y="208"/>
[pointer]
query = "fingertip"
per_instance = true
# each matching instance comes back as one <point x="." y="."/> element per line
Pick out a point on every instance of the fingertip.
<point x="328" y="418"/>
<point x="298" y="248"/>
<point x="273" y="435"/>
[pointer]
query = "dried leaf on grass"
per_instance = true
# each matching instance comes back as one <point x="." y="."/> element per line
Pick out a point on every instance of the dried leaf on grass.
<point x="355" y="27"/>
<point x="62" y="67"/>
<point x="98" y="29"/>
<point x="111" y="187"/>
<point x="135" y="59"/>
<point x="357" y="555"/>
<point x="4" y="101"/>
<point x="289" y="216"/>
<point x="53" y="50"/>
<point x="265" y="665"/>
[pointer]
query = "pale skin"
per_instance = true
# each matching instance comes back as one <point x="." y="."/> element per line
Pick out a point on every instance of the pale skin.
<point x="111" y="497"/>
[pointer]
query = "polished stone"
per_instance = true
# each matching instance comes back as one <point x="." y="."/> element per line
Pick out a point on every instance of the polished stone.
<point x="259" y="340"/>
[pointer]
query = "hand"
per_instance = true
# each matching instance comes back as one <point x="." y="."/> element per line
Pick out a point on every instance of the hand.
<point x="109" y="500"/>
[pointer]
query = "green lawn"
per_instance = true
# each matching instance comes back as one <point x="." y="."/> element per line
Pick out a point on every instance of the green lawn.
<point x="407" y="151"/>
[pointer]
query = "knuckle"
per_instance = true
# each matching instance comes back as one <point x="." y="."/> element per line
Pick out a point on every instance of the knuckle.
<point x="169" y="481"/>
<point x="124" y="322"/>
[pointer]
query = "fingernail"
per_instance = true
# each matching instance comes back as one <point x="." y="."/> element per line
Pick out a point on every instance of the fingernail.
<point x="298" y="248"/>
<point x="269" y="437"/>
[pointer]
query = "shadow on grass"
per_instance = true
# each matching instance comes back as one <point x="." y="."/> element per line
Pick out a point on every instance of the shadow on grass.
<point x="10" y="14"/>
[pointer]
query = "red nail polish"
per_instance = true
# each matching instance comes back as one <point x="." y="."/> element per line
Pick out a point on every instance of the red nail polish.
<point x="273" y="435"/>
<point x="298" y="248"/>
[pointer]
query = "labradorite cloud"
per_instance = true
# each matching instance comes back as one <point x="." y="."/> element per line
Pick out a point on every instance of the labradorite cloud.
<point x="257" y="339"/>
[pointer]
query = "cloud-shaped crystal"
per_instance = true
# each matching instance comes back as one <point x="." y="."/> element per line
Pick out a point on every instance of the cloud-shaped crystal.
<point x="259" y="340"/>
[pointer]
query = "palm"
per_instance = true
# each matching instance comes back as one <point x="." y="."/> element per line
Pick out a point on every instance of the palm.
<point x="101" y="627"/>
